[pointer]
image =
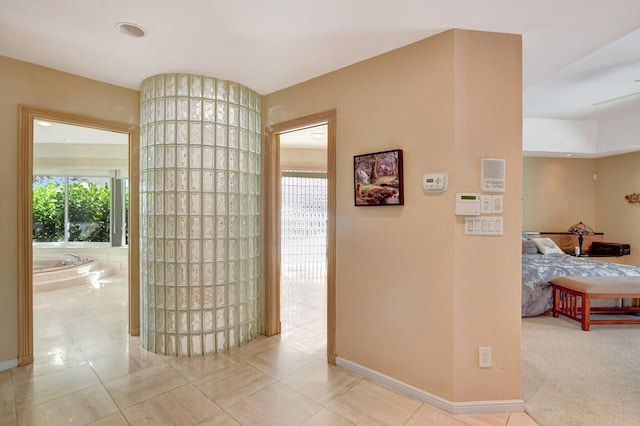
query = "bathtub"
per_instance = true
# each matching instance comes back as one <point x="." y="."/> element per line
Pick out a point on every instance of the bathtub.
<point x="56" y="272"/>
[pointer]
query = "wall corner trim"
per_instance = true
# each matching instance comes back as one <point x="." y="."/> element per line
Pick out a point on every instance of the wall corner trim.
<point x="8" y="364"/>
<point x="467" y="407"/>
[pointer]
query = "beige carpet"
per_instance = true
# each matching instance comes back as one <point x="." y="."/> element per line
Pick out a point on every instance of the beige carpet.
<point x="573" y="377"/>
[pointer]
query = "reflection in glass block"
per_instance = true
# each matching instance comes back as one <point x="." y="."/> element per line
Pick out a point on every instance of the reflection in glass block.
<point x="207" y="273"/>
<point x="183" y="225"/>
<point x="195" y="157"/>
<point x="196" y="345"/>
<point x="181" y="246"/>
<point x="221" y="204"/>
<point x="233" y="137"/>
<point x="171" y="321"/>
<point x="195" y="252"/>
<point x="221" y="227"/>
<point x="220" y="319"/>
<point x="183" y="202"/>
<point x="171" y="345"/>
<point x="221" y="296"/>
<point x="207" y="251"/>
<point x="209" y="88"/>
<point x="221" y="135"/>
<point x="195" y="134"/>
<point x="196" y="207"/>
<point x="207" y="181"/>
<point x="182" y="274"/>
<point x="170" y="294"/>
<point x="233" y="226"/>
<point x="221" y="112"/>
<point x="170" y="274"/>
<point x="221" y="181"/>
<point x="182" y="157"/>
<point x="196" y="321"/>
<point x="221" y="90"/>
<point x="233" y="180"/>
<point x="209" y="344"/>
<point x="221" y="341"/>
<point x="208" y="137"/>
<point x="182" y="132"/>
<point x="232" y="249"/>
<point x="233" y="115"/>
<point x="233" y="337"/>
<point x="207" y="158"/>
<point x="207" y="227"/>
<point x="208" y="204"/>
<point x="182" y="108"/>
<point x="183" y="345"/>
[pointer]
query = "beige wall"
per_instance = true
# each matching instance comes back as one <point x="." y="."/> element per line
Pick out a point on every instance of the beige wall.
<point x="303" y="159"/>
<point x="415" y="297"/>
<point x="22" y="83"/>
<point x="558" y="192"/>
<point x="620" y="221"/>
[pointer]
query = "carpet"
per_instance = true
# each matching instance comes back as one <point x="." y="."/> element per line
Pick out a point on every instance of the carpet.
<point x="573" y="377"/>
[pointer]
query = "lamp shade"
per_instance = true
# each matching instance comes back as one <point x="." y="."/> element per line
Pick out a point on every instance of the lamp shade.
<point x="580" y="229"/>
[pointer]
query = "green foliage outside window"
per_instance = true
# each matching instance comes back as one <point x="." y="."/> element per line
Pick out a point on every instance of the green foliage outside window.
<point x="89" y="211"/>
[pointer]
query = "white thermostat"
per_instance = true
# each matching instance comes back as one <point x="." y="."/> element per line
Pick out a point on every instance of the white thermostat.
<point x="434" y="182"/>
<point x="468" y="204"/>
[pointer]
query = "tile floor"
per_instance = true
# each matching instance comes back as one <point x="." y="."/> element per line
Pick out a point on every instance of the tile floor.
<point x="87" y="370"/>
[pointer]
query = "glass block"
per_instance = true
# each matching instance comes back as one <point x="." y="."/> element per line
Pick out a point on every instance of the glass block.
<point x="171" y="322"/>
<point x="183" y="302"/>
<point x="183" y="345"/>
<point x="208" y="111"/>
<point x="196" y="86"/>
<point x="194" y="180"/>
<point x="182" y="157"/>
<point x="159" y="320"/>
<point x="221" y="341"/>
<point x="196" y="321"/>
<point x="233" y="115"/>
<point x="221" y="322"/>
<point x="159" y="339"/>
<point x="183" y="224"/>
<point x="243" y="296"/>
<point x="172" y="345"/>
<point x="170" y="275"/>
<point x="233" y="337"/>
<point x="170" y="226"/>
<point x="221" y="90"/>
<point x="221" y="135"/>
<point x="243" y="162"/>
<point x="195" y="134"/>
<point x="244" y="138"/>
<point x="221" y="181"/>
<point x="207" y="181"/>
<point x="233" y="179"/>
<point x="207" y="227"/>
<point x="207" y="297"/>
<point x="209" y="88"/>
<point x="194" y="250"/>
<point x="170" y="84"/>
<point x="221" y="204"/>
<point x="195" y="274"/>
<point x="231" y="295"/>
<point x="244" y="334"/>
<point x="159" y="107"/>
<point x="182" y="132"/>
<point x="181" y="251"/>
<point x="221" y="227"/>
<point x="244" y="96"/>
<point x="170" y="251"/>
<point x="182" y="274"/>
<point x="233" y="138"/>
<point x="194" y="228"/>
<point x="170" y="293"/>
<point x="207" y="158"/>
<point x="159" y="86"/>
<point x="170" y="108"/>
<point x="158" y="251"/>
<point x="196" y="345"/>
<point x="232" y="249"/>
<point x="221" y="250"/>
<point x="244" y="204"/>
<point x="207" y="250"/>
<point x="209" y="343"/>
<point x="195" y="157"/>
<point x="182" y="85"/>
<point x="207" y="273"/>
<point x="208" y="204"/>
<point x="242" y="312"/>
<point x="221" y="296"/>
<point x="207" y="320"/>
<point x="159" y="225"/>
<point x="221" y="158"/>
<point x="182" y="108"/>
<point x="221" y="112"/>
<point x="221" y="272"/>
<point x="159" y="136"/>
<point x="232" y="272"/>
<point x="244" y="118"/>
<point x="233" y="204"/>
<point x="252" y="143"/>
<point x="233" y="93"/>
<point x="183" y="203"/>
<point x="195" y="207"/>
<point x="208" y="134"/>
<point x="170" y="156"/>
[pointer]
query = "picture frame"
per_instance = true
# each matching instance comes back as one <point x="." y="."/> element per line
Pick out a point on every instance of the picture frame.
<point x="378" y="179"/>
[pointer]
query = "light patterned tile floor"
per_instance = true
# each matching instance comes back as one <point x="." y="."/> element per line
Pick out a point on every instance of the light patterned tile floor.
<point x="87" y="370"/>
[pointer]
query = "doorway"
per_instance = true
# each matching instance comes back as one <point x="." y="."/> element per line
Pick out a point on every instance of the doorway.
<point x="280" y="261"/>
<point x="29" y="118"/>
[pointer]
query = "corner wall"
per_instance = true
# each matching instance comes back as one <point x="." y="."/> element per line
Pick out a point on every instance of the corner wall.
<point x="415" y="297"/>
<point x="23" y="83"/>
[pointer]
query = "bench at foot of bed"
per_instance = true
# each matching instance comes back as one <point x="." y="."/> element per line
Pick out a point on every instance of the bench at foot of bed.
<point x="572" y="298"/>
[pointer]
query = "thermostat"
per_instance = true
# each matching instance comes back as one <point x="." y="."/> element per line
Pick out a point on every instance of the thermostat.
<point x="434" y="182"/>
<point x="468" y="204"/>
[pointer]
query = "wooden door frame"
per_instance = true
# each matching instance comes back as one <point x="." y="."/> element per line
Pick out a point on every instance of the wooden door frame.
<point x="271" y="224"/>
<point x="26" y="118"/>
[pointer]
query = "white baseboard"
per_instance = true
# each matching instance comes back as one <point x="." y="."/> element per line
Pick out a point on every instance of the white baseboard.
<point x="10" y="363"/>
<point x="469" y="407"/>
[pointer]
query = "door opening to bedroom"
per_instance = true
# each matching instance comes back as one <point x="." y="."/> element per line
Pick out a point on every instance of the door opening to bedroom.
<point x="303" y="238"/>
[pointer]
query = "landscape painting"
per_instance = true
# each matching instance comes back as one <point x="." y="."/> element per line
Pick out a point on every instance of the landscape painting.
<point x="378" y="179"/>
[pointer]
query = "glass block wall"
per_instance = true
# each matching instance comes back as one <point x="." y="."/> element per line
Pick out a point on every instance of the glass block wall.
<point x="200" y="166"/>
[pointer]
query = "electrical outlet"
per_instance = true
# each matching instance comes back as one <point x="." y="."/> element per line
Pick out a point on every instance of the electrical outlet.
<point x="484" y="356"/>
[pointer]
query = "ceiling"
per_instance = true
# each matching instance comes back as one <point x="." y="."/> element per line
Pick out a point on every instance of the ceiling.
<point x="576" y="53"/>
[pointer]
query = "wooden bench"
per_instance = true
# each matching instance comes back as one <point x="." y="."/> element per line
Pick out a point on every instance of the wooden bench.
<point x="572" y="298"/>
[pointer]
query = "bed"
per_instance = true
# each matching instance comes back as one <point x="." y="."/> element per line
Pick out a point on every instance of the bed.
<point x="541" y="266"/>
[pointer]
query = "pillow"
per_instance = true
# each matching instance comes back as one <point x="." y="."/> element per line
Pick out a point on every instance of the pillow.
<point x="529" y="247"/>
<point x="547" y="246"/>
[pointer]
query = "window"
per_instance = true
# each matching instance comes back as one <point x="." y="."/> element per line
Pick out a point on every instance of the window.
<point x="74" y="209"/>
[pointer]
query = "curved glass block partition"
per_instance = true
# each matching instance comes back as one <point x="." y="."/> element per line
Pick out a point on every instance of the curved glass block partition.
<point x="200" y="140"/>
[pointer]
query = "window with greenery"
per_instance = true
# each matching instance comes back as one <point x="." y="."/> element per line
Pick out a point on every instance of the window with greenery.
<point x="79" y="205"/>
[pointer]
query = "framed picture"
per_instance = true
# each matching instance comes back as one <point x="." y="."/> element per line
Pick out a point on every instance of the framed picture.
<point x="378" y="179"/>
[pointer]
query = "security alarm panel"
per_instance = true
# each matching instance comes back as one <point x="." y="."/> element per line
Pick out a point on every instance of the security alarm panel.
<point x="468" y="204"/>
